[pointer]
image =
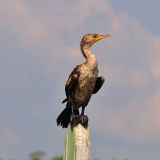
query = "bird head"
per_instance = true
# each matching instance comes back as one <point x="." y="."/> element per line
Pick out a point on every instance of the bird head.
<point x="89" y="39"/>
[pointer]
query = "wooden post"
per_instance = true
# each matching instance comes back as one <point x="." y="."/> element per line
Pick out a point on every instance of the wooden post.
<point x="78" y="144"/>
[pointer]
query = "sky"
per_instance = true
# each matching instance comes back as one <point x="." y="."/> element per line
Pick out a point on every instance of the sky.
<point x="39" y="48"/>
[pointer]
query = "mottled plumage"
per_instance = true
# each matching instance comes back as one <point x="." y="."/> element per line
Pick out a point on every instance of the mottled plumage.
<point x="82" y="82"/>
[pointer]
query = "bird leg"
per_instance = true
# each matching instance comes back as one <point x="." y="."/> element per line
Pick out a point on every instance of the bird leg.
<point x="83" y="109"/>
<point x="75" y="118"/>
<point x="79" y="119"/>
<point x="84" y="118"/>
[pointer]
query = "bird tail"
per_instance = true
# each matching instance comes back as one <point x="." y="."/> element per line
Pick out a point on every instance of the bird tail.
<point x="64" y="117"/>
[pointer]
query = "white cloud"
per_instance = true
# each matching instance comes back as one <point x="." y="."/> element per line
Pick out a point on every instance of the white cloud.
<point x="18" y="19"/>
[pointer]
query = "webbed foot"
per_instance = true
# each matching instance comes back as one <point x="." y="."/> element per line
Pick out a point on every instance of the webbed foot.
<point x="84" y="120"/>
<point x="75" y="120"/>
<point x="79" y="119"/>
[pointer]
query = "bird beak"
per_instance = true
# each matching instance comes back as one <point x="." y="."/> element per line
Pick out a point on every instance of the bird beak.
<point x="99" y="37"/>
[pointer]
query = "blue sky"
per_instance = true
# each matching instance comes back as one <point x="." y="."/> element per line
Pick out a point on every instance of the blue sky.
<point x="40" y="47"/>
<point x="145" y="12"/>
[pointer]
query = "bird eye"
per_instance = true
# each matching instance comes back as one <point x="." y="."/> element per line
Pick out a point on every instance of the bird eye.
<point x="95" y="36"/>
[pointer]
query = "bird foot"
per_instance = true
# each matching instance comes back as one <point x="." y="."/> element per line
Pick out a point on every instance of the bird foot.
<point x="75" y="120"/>
<point x="79" y="119"/>
<point x="84" y="120"/>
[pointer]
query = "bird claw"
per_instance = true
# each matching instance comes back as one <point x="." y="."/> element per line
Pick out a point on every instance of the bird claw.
<point x="79" y="119"/>
<point x="84" y="120"/>
<point x="75" y="120"/>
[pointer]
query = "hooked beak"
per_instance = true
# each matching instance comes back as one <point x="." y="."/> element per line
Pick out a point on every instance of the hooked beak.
<point x="99" y="37"/>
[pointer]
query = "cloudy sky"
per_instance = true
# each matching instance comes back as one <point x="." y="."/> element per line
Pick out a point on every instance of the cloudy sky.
<point x="39" y="48"/>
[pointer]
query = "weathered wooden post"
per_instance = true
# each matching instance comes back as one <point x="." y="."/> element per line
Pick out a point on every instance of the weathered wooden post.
<point x="78" y="143"/>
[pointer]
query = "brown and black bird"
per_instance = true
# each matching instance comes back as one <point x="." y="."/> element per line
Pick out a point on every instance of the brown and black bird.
<point x="82" y="82"/>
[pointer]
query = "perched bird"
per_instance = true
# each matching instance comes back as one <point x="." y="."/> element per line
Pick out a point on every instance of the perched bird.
<point x="82" y="82"/>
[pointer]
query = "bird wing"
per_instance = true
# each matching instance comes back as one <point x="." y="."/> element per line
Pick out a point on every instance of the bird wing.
<point x="72" y="81"/>
<point x="98" y="85"/>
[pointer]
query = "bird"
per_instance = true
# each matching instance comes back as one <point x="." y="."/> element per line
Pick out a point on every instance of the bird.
<point x="82" y="83"/>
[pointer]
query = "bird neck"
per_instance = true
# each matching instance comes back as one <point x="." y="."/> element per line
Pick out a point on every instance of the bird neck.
<point x="90" y="57"/>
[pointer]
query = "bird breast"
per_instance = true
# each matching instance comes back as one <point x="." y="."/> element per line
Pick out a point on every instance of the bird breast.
<point x="86" y="83"/>
<point x="88" y="75"/>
